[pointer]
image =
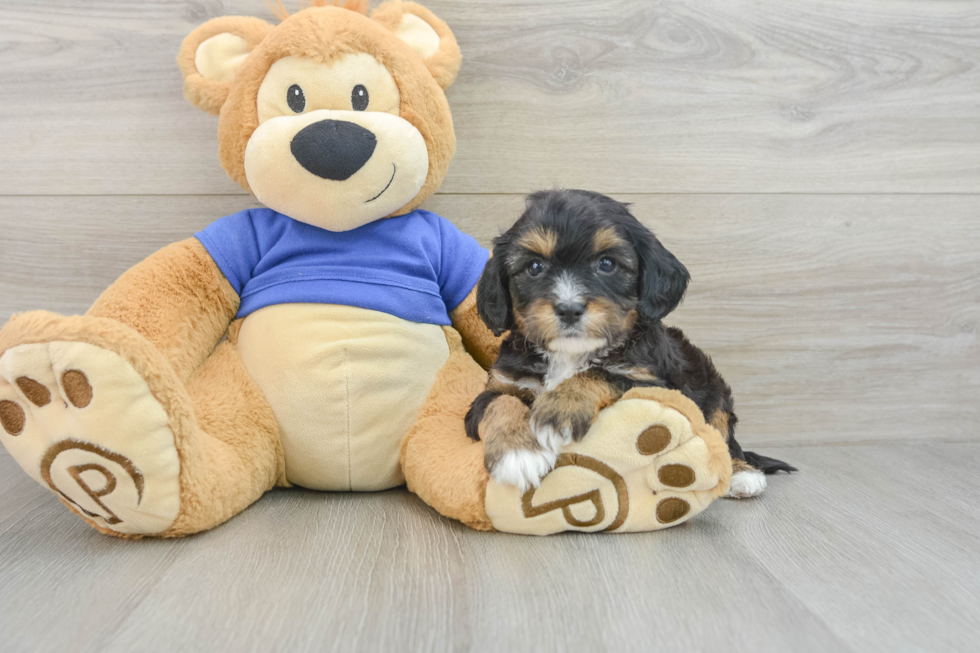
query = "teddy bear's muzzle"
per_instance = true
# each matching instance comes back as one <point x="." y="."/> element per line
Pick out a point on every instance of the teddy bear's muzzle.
<point x="336" y="169"/>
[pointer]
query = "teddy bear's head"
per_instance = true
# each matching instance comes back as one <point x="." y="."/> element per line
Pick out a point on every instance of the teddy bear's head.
<point x="332" y="118"/>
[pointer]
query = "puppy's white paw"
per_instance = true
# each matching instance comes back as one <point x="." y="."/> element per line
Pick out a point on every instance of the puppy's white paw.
<point x="551" y="438"/>
<point x="746" y="484"/>
<point x="524" y="468"/>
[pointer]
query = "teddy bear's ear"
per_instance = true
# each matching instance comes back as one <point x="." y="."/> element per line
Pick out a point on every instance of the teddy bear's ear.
<point x="210" y="57"/>
<point x="427" y="34"/>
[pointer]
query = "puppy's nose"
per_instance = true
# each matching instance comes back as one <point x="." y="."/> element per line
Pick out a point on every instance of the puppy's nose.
<point x="570" y="313"/>
<point x="333" y="149"/>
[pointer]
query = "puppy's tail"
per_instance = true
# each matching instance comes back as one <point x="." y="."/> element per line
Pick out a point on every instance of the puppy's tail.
<point x="767" y="465"/>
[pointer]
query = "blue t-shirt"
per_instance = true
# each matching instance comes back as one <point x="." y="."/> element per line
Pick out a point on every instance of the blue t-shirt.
<point x="418" y="266"/>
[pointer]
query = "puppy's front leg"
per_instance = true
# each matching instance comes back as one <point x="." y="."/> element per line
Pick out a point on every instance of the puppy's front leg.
<point x="511" y="453"/>
<point x="565" y="414"/>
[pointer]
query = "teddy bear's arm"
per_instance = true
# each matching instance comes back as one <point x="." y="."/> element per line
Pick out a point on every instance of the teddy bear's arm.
<point x="178" y="299"/>
<point x="478" y="340"/>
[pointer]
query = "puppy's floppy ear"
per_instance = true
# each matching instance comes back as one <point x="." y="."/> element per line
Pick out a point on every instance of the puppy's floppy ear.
<point x="211" y="55"/>
<point x="663" y="279"/>
<point x="493" y="294"/>
<point x="427" y="34"/>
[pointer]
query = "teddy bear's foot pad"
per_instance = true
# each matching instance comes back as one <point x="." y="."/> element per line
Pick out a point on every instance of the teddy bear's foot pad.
<point x="644" y="465"/>
<point x="82" y="422"/>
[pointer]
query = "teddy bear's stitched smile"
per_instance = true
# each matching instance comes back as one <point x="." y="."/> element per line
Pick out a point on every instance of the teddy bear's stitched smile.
<point x="394" y="169"/>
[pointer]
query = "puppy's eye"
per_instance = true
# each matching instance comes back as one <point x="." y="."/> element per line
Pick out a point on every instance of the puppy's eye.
<point x="606" y="264"/>
<point x="295" y="98"/>
<point x="534" y="268"/>
<point x="359" y="98"/>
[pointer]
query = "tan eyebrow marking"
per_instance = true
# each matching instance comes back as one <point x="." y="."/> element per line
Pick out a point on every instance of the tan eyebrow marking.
<point x="606" y="238"/>
<point x="540" y="241"/>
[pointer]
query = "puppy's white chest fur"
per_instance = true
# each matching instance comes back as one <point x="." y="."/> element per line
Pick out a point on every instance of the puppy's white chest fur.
<point x="569" y="356"/>
<point x="564" y="365"/>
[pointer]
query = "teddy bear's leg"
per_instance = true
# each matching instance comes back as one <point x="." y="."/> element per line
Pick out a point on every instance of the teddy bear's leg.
<point x="178" y="300"/>
<point x="238" y="454"/>
<point x="441" y="465"/>
<point x="92" y="410"/>
<point x="649" y="462"/>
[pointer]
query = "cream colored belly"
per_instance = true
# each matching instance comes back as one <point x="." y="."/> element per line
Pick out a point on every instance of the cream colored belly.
<point x="345" y="384"/>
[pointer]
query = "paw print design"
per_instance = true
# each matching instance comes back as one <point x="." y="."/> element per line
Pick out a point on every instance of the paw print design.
<point x="82" y="422"/>
<point x="649" y="462"/>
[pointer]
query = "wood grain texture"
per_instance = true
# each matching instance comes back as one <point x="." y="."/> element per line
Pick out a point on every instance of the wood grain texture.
<point x="869" y="548"/>
<point x="620" y="96"/>
<point x="835" y="318"/>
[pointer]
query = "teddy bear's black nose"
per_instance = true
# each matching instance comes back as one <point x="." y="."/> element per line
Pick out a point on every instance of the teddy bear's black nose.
<point x="333" y="149"/>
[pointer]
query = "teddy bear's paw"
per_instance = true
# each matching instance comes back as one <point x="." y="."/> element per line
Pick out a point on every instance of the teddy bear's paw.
<point x="642" y="466"/>
<point x="82" y="422"/>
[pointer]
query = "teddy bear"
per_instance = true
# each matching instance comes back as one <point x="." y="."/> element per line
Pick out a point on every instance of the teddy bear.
<point x="330" y="340"/>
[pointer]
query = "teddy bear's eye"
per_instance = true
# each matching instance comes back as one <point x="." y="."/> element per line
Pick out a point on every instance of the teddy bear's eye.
<point x="359" y="98"/>
<point x="295" y="98"/>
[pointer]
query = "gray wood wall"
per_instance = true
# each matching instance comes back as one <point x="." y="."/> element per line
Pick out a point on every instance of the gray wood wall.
<point x="815" y="164"/>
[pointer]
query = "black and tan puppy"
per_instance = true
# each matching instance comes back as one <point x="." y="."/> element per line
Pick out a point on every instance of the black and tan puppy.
<point x="582" y="287"/>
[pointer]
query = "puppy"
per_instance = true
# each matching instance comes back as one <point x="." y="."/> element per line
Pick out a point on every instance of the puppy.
<point x="582" y="287"/>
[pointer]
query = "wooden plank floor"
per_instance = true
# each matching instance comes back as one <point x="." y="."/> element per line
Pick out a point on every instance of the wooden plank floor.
<point x="869" y="548"/>
<point x="817" y="167"/>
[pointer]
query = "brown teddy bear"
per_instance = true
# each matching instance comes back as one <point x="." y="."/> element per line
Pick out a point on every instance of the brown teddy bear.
<point x="329" y="341"/>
